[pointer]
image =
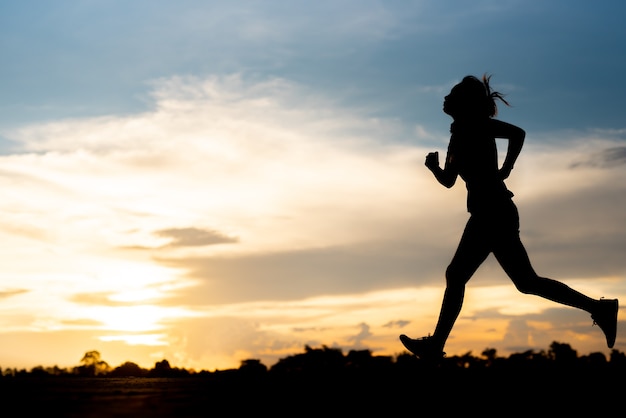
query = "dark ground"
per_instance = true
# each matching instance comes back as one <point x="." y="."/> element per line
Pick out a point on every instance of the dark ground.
<point x="492" y="393"/>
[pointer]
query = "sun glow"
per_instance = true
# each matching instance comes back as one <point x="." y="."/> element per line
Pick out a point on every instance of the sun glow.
<point x="137" y="339"/>
<point x="144" y="318"/>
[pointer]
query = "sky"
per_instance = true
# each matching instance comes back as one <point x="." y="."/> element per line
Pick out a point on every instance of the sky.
<point x="213" y="181"/>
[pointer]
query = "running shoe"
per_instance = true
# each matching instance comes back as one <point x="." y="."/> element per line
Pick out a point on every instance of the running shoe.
<point x="606" y="318"/>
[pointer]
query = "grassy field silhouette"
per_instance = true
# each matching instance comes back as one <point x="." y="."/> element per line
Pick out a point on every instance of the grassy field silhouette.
<point x="325" y="381"/>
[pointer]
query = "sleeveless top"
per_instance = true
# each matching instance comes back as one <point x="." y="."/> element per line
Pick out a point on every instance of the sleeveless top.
<point x="472" y="149"/>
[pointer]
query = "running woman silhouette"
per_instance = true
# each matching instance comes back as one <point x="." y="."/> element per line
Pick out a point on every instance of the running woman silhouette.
<point x="493" y="225"/>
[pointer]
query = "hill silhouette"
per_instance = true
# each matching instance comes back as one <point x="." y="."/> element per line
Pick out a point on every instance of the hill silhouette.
<point x="327" y="381"/>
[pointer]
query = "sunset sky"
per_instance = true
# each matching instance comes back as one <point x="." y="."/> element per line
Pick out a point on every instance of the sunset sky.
<point x="212" y="181"/>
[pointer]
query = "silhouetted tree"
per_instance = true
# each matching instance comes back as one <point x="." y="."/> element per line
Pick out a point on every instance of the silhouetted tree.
<point x="92" y="365"/>
<point x="519" y="360"/>
<point x="164" y="369"/>
<point x="161" y="369"/>
<point x="38" y="371"/>
<point x="465" y="361"/>
<point x="253" y="366"/>
<point x="563" y="354"/>
<point x="364" y="360"/>
<point x="128" y="369"/>
<point x="313" y="361"/>
<point x="58" y="371"/>
<point x="252" y="371"/>
<point x="618" y="359"/>
<point x="595" y="360"/>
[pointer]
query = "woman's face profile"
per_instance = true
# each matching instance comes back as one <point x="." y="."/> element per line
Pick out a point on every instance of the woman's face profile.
<point x="451" y="101"/>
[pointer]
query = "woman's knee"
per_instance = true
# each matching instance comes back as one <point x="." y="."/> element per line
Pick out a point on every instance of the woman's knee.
<point x="530" y="284"/>
<point x="456" y="276"/>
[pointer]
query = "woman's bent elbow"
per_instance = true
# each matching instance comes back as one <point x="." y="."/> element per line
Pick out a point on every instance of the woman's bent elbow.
<point x="448" y="183"/>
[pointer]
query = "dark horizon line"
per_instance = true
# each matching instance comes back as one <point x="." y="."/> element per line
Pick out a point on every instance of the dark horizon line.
<point x="328" y="358"/>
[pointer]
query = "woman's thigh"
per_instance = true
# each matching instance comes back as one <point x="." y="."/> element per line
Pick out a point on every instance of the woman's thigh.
<point x="513" y="257"/>
<point x="472" y="251"/>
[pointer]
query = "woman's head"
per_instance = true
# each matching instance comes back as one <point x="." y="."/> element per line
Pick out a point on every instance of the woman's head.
<point x="472" y="98"/>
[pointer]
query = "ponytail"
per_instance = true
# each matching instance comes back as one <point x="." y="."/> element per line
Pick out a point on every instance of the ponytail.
<point x="492" y="108"/>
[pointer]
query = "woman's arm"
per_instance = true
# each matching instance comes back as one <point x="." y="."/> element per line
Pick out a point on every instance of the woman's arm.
<point x="446" y="176"/>
<point x="516" y="136"/>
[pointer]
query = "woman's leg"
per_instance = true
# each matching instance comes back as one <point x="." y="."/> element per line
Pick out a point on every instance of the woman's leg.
<point x="471" y="252"/>
<point x="513" y="258"/>
<point x="473" y="249"/>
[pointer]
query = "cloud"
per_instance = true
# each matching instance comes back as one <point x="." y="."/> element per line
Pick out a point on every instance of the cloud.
<point x="192" y="237"/>
<point x="358" y="341"/>
<point x="283" y="24"/>
<point x="610" y="157"/>
<point x="517" y="337"/>
<point x="398" y="324"/>
<point x="7" y="293"/>
<point x="288" y="275"/>
<point x="96" y="298"/>
<point x="221" y="149"/>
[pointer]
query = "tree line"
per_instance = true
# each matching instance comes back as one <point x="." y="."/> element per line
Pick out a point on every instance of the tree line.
<point x="327" y="360"/>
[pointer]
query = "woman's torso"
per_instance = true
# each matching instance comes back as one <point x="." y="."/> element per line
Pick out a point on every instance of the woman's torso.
<point x="475" y="154"/>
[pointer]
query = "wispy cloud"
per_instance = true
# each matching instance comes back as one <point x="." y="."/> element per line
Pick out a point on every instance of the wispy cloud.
<point x="6" y="293"/>
<point x="194" y="237"/>
<point x="613" y="156"/>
